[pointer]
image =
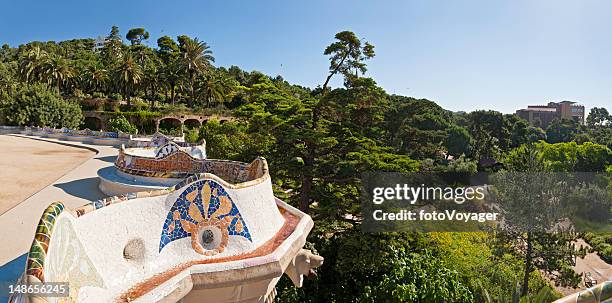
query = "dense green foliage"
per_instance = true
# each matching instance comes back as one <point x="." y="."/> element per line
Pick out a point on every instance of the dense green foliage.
<point x="318" y="143"/>
<point x="564" y="157"/>
<point x="602" y="244"/>
<point x="121" y="124"/>
<point x="40" y="106"/>
<point x="381" y="268"/>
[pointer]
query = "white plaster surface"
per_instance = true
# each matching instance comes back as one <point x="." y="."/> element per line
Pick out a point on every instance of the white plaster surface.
<point x="67" y="259"/>
<point x="105" y="232"/>
<point x="197" y="152"/>
<point x="114" y="182"/>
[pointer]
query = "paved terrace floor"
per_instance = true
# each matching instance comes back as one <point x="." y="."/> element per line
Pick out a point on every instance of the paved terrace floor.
<point x="75" y="188"/>
<point x="27" y="166"/>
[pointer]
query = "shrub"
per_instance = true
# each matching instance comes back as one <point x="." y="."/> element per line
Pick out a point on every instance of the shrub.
<point x="112" y="105"/>
<point x="98" y="95"/>
<point x="191" y="135"/>
<point x="120" y="123"/>
<point x="140" y="106"/>
<point x="601" y="243"/>
<point x="175" y="109"/>
<point x="79" y="94"/>
<point x="173" y="132"/>
<point x="92" y="104"/>
<point x="115" y="96"/>
<point x="37" y="105"/>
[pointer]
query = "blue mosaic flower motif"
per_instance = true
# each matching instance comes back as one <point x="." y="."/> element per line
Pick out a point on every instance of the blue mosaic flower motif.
<point x="173" y="228"/>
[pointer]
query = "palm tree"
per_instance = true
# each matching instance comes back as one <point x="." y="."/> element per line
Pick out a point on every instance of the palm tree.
<point x="128" y="75"/>
<point x="195" y="59"/>
<point x="151" y="80"/>
<point x="96" y="78"/>
<point x="57" y="71"/>
<point x="218" y="87"/>
<point x="171" y="74"/>
<point x="30" y="66"/>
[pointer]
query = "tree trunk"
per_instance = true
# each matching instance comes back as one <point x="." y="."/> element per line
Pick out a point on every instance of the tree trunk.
<point x="307" y="180"/>
<point x="528" y="262"/>
<point x="190" y="103"/>
<point x="172" y="93"/>
<point x="309" y="160"/>
<point x="127" y="96"/>
<point x="309" y="163"/>
<point x="305" y="193"/>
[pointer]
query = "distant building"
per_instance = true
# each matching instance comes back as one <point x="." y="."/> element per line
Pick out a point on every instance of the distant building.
<point x="542" y="115"/>
<point x="99" y="43"/>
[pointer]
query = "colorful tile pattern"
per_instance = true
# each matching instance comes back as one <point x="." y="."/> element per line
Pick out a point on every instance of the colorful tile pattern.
<point x="202" y="201"/>
<point x="159" y="139"/>
<point x="95" y="205"/>
<point x="166" y="149"/>
<point x="40" y="245"/>
<point x="179" y="164"/>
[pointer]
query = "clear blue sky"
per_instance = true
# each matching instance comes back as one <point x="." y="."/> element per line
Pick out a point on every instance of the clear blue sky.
<point x="465" y="55"/>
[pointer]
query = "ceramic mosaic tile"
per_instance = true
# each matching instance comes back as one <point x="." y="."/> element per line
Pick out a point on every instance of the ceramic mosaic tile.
<point x="38" y="251"/>
<point x="202" y="201"/>
<point x="599" y="293"/>
<point x="94" y="205"/>
<point x="178" y="164"/>
<point x="166" y="149"/>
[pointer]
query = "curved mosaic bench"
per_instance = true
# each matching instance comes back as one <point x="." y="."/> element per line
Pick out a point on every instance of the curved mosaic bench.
<point x="202" y="238"/>
<point x="162" y="148"/>
<point x="40" y="245"/>
<point x="173" y="161"/>
<point x="597" y="294"/>
<point x="85" y="136"/>
<point x="4" y="129"/>
<point x="157" y="139"/>
<point x="155" y="167"/>
<point x="26" y="132"/>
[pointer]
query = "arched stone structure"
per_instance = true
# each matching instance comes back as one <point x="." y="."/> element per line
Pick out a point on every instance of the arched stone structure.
<point x="93" y="123"/>
<point x="101" y="117"/>
<point x="181" y="118"/>
<point x="201" y="119"/>
<point x="192" y="123"/>
<point x="169" y="122"/>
